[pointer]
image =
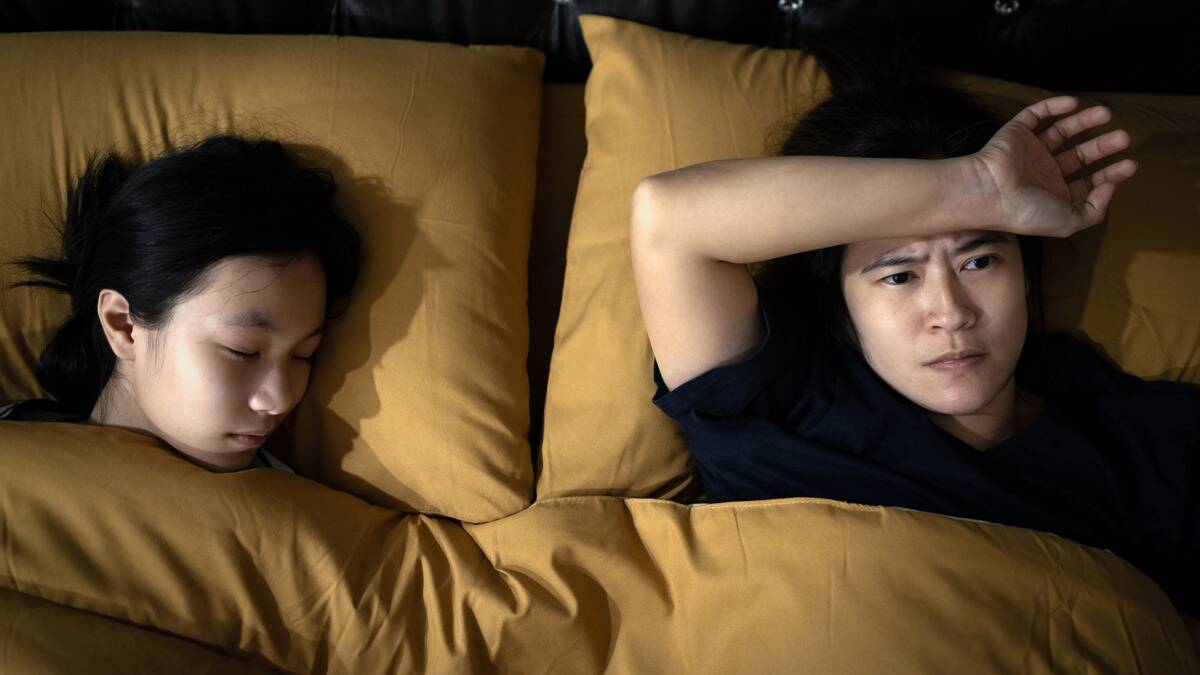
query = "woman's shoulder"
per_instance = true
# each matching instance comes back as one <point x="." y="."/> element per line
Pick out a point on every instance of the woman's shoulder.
<point x="40" y="410"/>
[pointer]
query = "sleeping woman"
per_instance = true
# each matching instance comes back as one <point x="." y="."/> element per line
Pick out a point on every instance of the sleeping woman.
<point x="882" y="354"/>
<point x="200" y="283"/>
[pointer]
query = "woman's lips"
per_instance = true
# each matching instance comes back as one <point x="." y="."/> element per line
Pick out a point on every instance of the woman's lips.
<point x="958" y="364"/>
<point x="244" y="439"/>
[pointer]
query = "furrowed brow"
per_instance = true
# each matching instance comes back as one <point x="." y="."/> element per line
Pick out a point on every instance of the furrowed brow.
<point x="894" y="261"/>
<point x="888" y="260"/>
<point x="981" y="240"/>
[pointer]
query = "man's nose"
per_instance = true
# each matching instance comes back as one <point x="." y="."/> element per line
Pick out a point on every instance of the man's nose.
<point x="949" y="304"/>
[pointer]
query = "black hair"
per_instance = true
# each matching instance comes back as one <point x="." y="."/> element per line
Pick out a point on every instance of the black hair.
<point x="911" y="118"/>
<point x="152" y="231"/>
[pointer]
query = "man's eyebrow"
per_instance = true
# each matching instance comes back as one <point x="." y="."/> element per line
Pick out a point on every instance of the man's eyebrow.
<point x="888" y="260"/>
<point x="252" y="318"/>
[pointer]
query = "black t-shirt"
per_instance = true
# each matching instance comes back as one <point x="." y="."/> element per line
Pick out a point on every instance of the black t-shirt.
<point x="1113" y="461"/>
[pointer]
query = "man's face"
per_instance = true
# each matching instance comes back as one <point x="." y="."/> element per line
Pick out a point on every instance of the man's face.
<point x="922" y="298"/>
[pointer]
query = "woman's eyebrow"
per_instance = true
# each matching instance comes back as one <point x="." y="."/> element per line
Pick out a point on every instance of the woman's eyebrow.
<point x="253" y="318"/>
<point x="888" y="260"/>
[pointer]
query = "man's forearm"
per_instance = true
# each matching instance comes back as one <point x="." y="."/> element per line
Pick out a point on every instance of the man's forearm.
<point x="749" y="210"/>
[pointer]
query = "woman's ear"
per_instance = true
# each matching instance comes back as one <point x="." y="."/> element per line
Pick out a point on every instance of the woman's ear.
<point x="113" y="311"/>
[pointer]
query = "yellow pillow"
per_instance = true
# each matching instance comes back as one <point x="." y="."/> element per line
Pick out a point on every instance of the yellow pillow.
<point x="419" y="399"/>
<point x="657" y="101"/>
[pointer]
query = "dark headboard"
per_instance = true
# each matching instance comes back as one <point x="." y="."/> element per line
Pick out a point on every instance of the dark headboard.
<point x="1065" y="44"/>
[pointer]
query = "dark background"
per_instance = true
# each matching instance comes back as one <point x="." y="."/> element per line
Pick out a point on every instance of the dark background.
<point x="1077" y="45"/>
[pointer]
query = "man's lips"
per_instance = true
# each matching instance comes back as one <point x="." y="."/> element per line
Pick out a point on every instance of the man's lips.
<point x="955" y="356"/>
<point x="961" y="363"/>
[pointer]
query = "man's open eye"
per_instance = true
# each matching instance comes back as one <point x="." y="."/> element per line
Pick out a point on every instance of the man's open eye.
<point x="891" y="279"/>
<point x="986" y="261"/>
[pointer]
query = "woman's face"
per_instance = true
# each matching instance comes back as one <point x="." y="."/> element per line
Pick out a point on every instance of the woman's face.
<point x="921" y="298"/>
<point x="233" y="359"/>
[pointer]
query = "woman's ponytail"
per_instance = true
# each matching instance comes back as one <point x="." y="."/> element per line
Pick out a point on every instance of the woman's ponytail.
<point x="77" y="362"/>
<point x="87" y="205"/>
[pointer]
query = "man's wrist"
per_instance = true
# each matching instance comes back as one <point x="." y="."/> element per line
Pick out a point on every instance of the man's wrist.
<point x="973" y="199"/>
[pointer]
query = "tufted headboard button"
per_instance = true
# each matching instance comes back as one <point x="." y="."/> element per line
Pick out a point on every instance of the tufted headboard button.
<point x="1004" y="7"/>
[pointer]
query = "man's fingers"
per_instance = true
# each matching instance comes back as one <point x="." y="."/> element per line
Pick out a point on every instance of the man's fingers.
<point x="1079" y="189"/>
<point x="1087" y="152"/>
<point x="1097" y="203"/>
<point x="1045" y="109"/>
<point x="1104" y="183"/>
<point x="1084" y="189"/>
<point x="1113" y="173"/>
<point x="1056" y="134"/>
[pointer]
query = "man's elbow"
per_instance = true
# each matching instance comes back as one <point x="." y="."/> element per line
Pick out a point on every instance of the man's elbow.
<point x="646" y="211"/>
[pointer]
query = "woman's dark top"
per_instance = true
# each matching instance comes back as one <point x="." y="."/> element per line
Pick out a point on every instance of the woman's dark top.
<point x="1113" y="461"/>
<point x="49" y="410"/>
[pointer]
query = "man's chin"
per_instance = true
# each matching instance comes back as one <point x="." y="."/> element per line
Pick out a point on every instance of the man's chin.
<point x="957" y="403"/>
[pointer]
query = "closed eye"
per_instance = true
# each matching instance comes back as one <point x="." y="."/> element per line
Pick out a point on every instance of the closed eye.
<point x="250" y="356"/>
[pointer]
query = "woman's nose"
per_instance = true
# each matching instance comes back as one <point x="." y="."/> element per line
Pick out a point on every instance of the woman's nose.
<point x="275" y="394"/>
<point x="949" y="305"/>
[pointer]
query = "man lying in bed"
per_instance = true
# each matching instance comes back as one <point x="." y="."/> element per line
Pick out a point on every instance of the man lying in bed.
<point x="882" y="356"/>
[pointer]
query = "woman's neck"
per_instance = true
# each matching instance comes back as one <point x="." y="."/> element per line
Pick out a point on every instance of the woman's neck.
<point x="115" y="408"/>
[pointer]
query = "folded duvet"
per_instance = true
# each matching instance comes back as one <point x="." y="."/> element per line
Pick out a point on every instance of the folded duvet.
<point x="281" y="571"/>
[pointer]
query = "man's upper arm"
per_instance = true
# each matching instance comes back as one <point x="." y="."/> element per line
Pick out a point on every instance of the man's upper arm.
<point x="699" y="313"/>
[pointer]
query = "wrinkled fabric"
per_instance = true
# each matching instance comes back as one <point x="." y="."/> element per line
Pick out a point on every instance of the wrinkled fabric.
<point x="313" y="580"/>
